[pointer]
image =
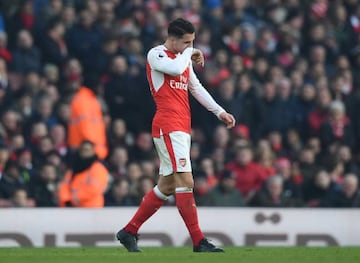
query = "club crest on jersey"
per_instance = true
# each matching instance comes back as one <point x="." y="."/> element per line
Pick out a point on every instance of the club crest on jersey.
<point x="182" y="162"/>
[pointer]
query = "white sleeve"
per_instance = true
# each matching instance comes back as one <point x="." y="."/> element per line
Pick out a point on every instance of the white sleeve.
<point x="202" y="95"/>
<point x="160" y="61"/>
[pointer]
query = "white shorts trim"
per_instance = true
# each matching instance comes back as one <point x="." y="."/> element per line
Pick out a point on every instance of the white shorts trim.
<point x="174" y="152"/>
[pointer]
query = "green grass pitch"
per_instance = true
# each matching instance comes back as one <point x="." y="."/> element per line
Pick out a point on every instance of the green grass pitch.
<point x="181" y="255"/>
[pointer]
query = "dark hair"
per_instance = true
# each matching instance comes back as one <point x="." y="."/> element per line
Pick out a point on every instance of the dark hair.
<point x="180" y="27"/>
<point x="53" y="22"/>
<point x="84" y="142"/>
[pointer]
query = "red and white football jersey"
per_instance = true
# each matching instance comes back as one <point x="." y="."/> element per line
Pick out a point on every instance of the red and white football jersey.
<point x="170" y="77"/>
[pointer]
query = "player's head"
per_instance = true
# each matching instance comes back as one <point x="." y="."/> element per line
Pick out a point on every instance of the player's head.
<point x="181" y="34"/>
<point x="179" y="27"/>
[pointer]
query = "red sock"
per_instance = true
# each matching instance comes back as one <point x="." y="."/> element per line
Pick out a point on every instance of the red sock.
<point x="185" y="203"/>
<point x="149" y="205"/>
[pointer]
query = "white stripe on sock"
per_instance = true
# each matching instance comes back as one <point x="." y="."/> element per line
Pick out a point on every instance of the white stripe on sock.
<point x="159" y="194"/>
<point x="183" y="190"/>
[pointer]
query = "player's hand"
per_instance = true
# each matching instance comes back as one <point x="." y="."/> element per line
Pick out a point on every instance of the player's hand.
<point x="228" y="119"/>
<point x="198" y="57"/>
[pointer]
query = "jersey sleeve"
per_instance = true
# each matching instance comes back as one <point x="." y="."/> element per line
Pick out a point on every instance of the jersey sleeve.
<point x="202" y="95"/>
<point x="159" y="60"/>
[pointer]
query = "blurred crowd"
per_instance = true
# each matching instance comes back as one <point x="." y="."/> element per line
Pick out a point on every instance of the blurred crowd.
<point x="289" y="71"/>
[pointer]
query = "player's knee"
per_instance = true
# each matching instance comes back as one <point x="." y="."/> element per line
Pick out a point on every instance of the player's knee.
<point x="167" y="189"/>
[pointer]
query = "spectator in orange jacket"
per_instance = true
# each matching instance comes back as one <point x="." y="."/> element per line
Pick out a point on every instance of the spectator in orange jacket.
<point x="87" y="122"/>
<point x="85" y="184"/>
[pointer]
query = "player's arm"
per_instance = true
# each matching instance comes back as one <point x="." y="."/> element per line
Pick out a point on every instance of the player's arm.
<point x="205" y="99"/>
<point x="159" y="61"/>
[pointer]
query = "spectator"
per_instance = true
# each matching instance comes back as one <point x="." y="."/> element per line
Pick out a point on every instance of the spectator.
<point x="119" y="135"/>
<point x="272" y="195"/>
<point x="85" y="183"/>
<point x="195" y="155"/>
<point x="321" y="112"/>
<point x="265" y="157"/>
<point x="260" y="71"/>
<point x="306" y="103"/>
<point x="68" y="16"/>
<point x="106" y="15"/>
<point x="118" y="162"/>
<point x="143" y="148"/>
<point x="58" y="136"/>
<point x="144" y="185"/>
<point x="26" y="57"/>
<point x="149" y="169"/>
<point x="249" y="175"/>
<point x="272" y="107"/>
<point x="119" y="92"/>
<point x="22" y="18"/>
<point x="44" y="112"/>
<point x="18" y="199"/>
<point x="335" y="168"/>
<point x="11" y="180"/>
<point x="4" y="92"/>
<point x="11" y="124"/>
<point x="24" y="159"/>
<point x="38" y="131"/>
<point x="84" y="40"/>
<point x="344" y="154"/>
<point x="338" y="129"/>
<point x="221" y="137"/>
<point x="201" y="189"/>
<point x="202" y="42"/>
<point x="51" y="76"/>
<point x="134" y="173"/>
<point x="24" y="104"/>
<point x="4" y="157"/>
<point x="4" y="51"/>
<point x="225" y="193"/>
<point x="250" y="112"/>
<point x="43" y="187"/>
<point x="86" y="121"/>
<point x="275" y="139"/>
<point x="109" y="50"/>
<point x="53" y="45"/>
<point x="119" y="194"/>
<point x="308" y="164"/>
<point x="73" y="75"/>
<point x="291" y="180"/>
<point x="44" y="147"/>
<point x="17" y="142"/>
<point x="32" y="84"/>
<point x="347" y="196"/>
<point x="207" y="166"/>
<point x="217" y="71"/>
<point x="225" y="94"/>
<point x="317" y="189"/>
<point x="293" y="143"/>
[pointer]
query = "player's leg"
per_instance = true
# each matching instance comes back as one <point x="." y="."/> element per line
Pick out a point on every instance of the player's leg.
<point x="186" y="205"/>
<point x="152" y="201"/>
<point x="187" y="208"/>
<point x="178" y="144"/>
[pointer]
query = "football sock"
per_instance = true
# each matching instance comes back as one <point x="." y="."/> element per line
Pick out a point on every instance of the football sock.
<point x="151" y="202"/>
<point x="185" y="203"/>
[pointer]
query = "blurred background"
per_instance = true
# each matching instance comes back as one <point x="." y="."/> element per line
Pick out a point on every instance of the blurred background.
<point x="73" y="92"/>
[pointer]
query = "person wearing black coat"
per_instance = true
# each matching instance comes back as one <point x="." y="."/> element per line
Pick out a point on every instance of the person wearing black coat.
<point x="44" y="185"/>
<point x="347" y="196"/>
